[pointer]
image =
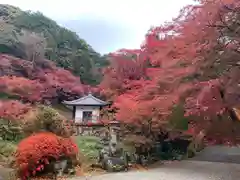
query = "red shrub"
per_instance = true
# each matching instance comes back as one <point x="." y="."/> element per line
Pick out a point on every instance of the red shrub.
<point x="35" y="152"/>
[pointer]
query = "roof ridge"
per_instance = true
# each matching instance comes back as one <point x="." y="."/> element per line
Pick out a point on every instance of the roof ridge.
<point x="96" y="98"/>
<point x="89" y="96"/>
<point x="76" y="100"/>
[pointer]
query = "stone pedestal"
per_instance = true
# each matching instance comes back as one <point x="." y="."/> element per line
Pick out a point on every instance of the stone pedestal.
<point x="60" y="166"/>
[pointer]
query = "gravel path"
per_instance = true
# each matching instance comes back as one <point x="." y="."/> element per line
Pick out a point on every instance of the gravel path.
<point x="184" y="170"/>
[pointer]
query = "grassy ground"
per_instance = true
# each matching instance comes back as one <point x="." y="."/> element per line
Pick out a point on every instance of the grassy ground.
<point x="89" y="147"/>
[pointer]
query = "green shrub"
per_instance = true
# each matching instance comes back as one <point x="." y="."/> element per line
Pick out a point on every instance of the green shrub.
<point x="7" y="150"/>
<point x="177" y="120"/>
<point x="10" y="131"/>
<point x="89" y="146"/>
<point x="48" y="119"/>
<point x="4" y="95"/>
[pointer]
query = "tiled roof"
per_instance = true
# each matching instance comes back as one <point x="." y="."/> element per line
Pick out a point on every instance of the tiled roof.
<point x="86" y="100"/>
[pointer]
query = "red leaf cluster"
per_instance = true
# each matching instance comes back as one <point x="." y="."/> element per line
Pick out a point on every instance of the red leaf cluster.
<point x="13" y="110"/>
<point x="36" y="151"/>
<point x="32" y="84"/>
<point x="29" y="90"/>
<point x="60" y="82"/>
<point x="208" y="102"/>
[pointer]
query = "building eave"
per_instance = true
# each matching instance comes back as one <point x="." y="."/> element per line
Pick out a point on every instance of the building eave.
<point x="88" y="100"/>
<point x="72" y="104"/>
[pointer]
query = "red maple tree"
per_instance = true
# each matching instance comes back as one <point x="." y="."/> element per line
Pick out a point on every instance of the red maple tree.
<point x="192" y="60"/>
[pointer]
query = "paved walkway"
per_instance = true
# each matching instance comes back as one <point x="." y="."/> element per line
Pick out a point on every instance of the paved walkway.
<point x="213" y="163"/>
<point x="184" y="170"/>
<point x="222" y="154"/>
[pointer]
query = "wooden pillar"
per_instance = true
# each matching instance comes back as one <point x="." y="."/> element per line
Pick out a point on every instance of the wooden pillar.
<point x="74" y="113"/>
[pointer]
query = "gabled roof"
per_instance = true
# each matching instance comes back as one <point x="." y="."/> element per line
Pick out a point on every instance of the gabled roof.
<point x="86" y="101"/>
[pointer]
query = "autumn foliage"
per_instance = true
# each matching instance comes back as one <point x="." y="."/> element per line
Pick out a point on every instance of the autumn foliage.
<point x="192" y="60"/>
<point x="35" y="152"/>
<point x="13" y="110"/>
<point x="45" y="133"/>
<point x="30" y="90"/>
<point x="41" y="83"/>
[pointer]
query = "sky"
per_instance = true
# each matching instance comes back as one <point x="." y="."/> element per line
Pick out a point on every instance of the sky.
<point x="107" y="25"/>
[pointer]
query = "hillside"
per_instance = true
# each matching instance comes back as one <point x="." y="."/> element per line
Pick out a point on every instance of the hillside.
<point x="33" y="36"/>
<point x="41" y="83"/>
